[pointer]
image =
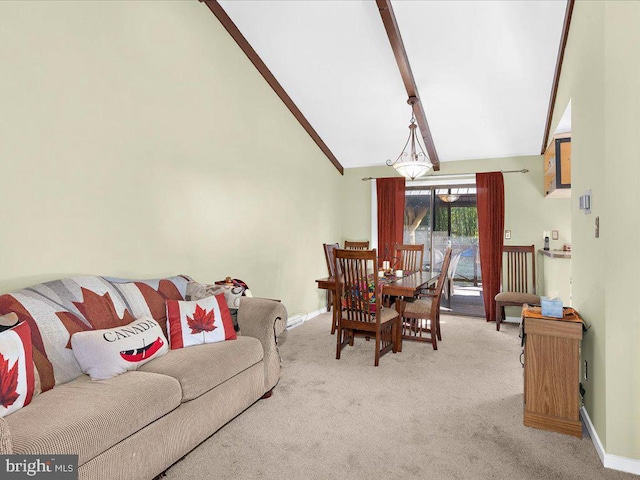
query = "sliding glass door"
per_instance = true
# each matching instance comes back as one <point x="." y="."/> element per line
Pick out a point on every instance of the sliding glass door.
<point x="441" y="217"/>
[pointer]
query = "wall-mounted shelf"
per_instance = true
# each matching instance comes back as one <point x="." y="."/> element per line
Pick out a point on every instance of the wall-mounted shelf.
<point x="555" y="253"/>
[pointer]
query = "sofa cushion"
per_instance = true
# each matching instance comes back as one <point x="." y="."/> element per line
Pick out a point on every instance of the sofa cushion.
<point x="203" y="367"/>
<point x="105" y="353"/>
<point x="201" y="321"/>
<point x="16" y="369"/>
<point x="87" y="417"/>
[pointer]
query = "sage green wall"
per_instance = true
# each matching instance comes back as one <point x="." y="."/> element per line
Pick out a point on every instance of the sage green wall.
<point x="621" y="226"/>
<point x="601" y="76"/>
<point x="582" y="81"/>
<point x="139" y="141"/>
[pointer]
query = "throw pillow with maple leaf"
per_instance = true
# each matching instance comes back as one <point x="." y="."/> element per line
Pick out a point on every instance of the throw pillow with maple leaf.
<point x="207" y="320"/>
<point x="8" y="382"/>
<point x="16" y="369"/>
<point x="201" y="321"/>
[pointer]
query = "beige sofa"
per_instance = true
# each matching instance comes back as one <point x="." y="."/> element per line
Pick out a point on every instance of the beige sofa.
<point x="135" y="425"/>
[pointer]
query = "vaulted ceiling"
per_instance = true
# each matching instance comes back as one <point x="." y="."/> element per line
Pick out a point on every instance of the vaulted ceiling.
<point x="484" y="72"/>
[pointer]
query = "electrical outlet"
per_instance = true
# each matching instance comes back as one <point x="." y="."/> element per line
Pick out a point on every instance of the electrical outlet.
<point x="554" y="234"/>
<point x="507" y="234"/>
<point x="586" y="371"/>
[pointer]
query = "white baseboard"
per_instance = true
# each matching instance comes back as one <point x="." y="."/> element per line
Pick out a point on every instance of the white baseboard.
<point x="592" y="433"/>
<point x="615" y="462"/>
<point x="297" y="320"/>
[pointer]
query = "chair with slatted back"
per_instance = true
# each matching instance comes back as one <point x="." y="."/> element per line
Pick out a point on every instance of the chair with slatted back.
<point x="518" y="279"/>
<point x="409" y="257"/>
<point x="328" y="256"/>
<point x="422" y="316"/>
<point x="361" y="310"/>
<point x="349" y="245"/>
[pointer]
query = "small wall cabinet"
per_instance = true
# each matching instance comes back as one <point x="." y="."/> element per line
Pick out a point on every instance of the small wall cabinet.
<point x="557" y="167"/>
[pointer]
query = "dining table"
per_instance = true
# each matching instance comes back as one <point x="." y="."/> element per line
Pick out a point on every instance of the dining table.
<point x="406" y="286"/>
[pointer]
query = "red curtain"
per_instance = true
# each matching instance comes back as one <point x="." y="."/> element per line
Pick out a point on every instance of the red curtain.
<point x="391" y="193"/>
<point x="490" y="196"/>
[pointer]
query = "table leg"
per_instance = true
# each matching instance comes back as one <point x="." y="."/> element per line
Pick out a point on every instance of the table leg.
<point x="400" y="310"/>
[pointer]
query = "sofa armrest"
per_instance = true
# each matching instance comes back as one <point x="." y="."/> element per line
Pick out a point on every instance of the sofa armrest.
<point x="6" y="445"/>
<point x="264" y="319"/>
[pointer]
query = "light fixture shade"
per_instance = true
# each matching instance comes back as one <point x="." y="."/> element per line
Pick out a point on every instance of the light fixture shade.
<point x="412" y="169"/>
<point x="412" y="162"/>
<point x="448" y="197"/>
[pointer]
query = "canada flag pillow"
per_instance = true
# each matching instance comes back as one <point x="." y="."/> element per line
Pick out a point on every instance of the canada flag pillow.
<point x="103" y="354"/>
<point x="207" y="320"/>
<point x="16" y="369"/>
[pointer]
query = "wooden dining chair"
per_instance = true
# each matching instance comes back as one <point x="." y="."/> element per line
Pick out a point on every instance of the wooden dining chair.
<point x="409" y="257"/>
<point x="422" y="316"/>
<point x="518" y="279"/>
<point x="349" y="245"/>
<point x="361" y="310"/>
<point x="453" y="266"/>
<point x="329" y="248"/>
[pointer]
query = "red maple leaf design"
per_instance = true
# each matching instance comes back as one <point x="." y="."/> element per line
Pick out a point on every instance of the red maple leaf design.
<point x="8" y="382"/>
<point x="98" y="310"/>
<point x="201" y="321"/>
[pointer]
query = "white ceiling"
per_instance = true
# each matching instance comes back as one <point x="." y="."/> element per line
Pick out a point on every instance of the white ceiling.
<point x="484" y="71"/>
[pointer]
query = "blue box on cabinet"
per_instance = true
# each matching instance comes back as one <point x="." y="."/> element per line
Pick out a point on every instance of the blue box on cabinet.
<point x="551" y="307"/>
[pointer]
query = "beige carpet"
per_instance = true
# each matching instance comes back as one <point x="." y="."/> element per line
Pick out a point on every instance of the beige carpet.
<point x="455" y="413"/>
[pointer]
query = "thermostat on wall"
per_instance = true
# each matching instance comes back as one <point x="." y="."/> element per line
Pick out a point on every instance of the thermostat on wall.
<point x="585" y="202"/>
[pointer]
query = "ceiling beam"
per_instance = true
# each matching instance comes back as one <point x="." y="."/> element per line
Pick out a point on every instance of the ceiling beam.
<point x="393" y="32"/>
<point x="556" y="77"/>
<point x="248" y="50"/>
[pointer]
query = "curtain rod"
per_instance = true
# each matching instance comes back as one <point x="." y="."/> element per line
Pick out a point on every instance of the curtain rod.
<point x="524" y="170"/>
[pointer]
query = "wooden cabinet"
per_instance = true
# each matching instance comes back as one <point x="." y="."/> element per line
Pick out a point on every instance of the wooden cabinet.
<point x="557" y="167"/>
<point x="552" y="373"/>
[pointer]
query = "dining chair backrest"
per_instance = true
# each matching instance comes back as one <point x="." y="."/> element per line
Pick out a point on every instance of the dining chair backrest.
<point x="519" y="269"/>
<point x="349" y="245"/>
<point x="444" y="274"/>
<point x="409" y="257"/>
<point x="329" y="249"/>
<point x="423" y="316"/>
<point x="358" y="289"/>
